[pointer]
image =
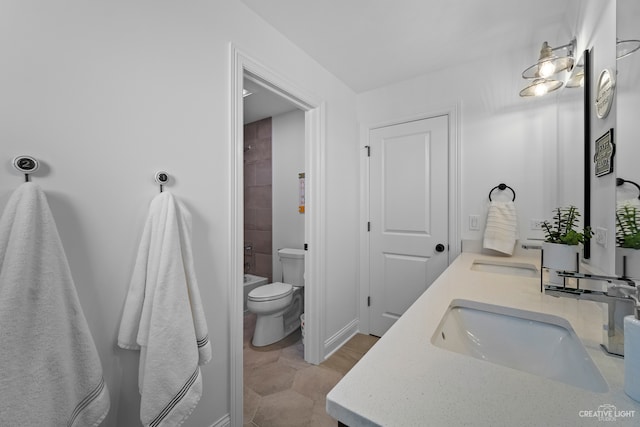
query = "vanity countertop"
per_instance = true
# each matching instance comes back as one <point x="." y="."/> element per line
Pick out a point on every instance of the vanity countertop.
<point x="404" y="380"/>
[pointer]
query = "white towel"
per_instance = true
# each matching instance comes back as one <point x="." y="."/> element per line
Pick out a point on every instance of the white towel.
<point x="50" y="371"/>
<point x="632" y="203"/>
<point x="163" y="317"/>
<point x="501" y="231"/>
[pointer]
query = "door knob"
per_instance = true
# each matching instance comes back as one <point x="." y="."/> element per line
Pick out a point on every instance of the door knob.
<point x="439" y="247"/>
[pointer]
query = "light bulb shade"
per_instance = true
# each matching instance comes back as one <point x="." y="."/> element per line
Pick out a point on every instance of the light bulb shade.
<point x="547" y="67"/>
<point x="576" y="80"/>
<point x="548" y="64"/>
<point x="626" y="47"/>
<point x="541" y="87"/>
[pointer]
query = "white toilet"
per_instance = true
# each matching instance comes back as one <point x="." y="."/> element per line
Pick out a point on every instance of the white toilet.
<point x="278" y="305"/>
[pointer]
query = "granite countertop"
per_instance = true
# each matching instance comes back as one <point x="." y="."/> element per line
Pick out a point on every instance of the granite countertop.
<point x="404" y="380"/>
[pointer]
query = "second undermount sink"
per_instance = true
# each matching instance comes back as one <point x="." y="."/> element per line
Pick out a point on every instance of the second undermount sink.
<point x="537" y="343"/>
<point x="505" y="267"/>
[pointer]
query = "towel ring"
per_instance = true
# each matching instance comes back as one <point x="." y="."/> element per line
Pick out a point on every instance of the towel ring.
<point x="162" y="178"/>
<point x="502" y="187"/>
<point x="25" y="164"/>
<point x="620" y="181"/>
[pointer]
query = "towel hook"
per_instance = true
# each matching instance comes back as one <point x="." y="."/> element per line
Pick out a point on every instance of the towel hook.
<point x="162" y="178"/>
<point x="25" y="164"/>
<point x="502" y="187"/>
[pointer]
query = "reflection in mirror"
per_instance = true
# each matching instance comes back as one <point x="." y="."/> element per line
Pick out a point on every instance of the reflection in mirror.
<point x="627" y="130"/>
<point x="571" y="149"/>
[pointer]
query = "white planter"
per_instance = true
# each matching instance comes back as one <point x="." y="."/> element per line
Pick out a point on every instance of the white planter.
<point x="560" y="257"/>
<point x="630" y="259"/>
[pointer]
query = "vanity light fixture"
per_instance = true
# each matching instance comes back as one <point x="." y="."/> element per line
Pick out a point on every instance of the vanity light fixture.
<point x="549" y="64"/>
<point x="626" y="47"/>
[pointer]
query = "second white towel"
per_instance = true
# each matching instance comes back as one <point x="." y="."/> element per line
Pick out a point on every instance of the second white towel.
<point x="501" y="232"/>
<point x="164" y="319"/>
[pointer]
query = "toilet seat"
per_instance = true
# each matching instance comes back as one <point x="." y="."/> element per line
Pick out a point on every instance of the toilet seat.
<point x="271" y="292"/>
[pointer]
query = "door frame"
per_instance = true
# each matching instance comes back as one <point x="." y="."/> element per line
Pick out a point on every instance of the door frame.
<point x="454" y="229"/>
<point x="242" y="65"/>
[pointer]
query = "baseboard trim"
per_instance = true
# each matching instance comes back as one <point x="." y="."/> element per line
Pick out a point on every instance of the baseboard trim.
<point x="338" y="339"/>
<point x="222" y="422"/>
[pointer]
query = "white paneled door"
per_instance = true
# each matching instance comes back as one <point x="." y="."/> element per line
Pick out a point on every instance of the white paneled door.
<point x="408" y="196"/>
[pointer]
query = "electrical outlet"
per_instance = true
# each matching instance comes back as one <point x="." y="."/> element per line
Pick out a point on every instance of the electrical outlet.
<point x="536" y="224"/>
<point x="474" y="222"/>
<point x="601" y="236"/>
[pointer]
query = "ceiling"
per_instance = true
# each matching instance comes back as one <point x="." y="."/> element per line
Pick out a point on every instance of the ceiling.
<point x="262" y="103"/>
<point x="372" y="43"/>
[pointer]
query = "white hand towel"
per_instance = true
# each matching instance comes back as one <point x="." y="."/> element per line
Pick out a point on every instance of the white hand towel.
<point x="501" y="231"/>
<point x="632" y="203"/>
<point x="163" y="317"/>
<point x="51" y="373"/>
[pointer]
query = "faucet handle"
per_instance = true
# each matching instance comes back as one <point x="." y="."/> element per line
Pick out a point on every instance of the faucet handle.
<point x="622" y="288"/>
<point x="627" y="291"/>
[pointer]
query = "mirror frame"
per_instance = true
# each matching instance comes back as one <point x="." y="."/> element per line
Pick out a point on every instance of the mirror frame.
<point x="587" y="149"/>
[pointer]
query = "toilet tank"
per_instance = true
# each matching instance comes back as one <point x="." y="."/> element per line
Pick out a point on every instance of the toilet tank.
<point x="292" y="266"/>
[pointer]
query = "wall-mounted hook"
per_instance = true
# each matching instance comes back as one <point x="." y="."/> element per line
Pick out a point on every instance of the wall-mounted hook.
<point x="620" y="181"/>
<point x="162" y="178"/>
<point x="502" y="187"/>
<point x="26" y="165"/>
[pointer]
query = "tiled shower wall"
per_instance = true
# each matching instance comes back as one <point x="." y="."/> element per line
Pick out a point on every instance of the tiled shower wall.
<point x="258" y="199"/>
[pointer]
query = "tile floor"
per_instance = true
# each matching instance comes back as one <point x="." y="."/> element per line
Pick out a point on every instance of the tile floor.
<point x="281" y="389"/>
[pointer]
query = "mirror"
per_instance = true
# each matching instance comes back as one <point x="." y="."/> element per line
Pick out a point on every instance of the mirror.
<point x="573" y="131"/>
<point x="627" y="95"/>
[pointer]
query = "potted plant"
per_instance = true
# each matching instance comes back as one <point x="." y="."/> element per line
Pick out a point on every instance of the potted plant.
<point x="562" y="237"/>
<point x="627" y="241"/>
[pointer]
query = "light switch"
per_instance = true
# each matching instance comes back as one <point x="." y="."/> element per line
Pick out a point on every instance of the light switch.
<point x="473" y="222"/>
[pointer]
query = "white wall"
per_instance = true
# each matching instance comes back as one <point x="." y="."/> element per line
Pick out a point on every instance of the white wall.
<point x="104" y="94"/>
<point x="626" y="133"/>
<point x="287" y="152"/>
<point x="571" y="148"/>
<point x="627" y="101"/>
<point x="504" y="138"/>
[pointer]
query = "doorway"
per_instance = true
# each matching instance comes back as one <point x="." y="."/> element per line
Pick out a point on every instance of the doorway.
<point x="273" y="160"/>
<point x="244" y="67"/>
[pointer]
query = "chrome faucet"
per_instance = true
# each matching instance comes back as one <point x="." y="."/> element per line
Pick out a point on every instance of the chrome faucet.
<point x="622" y="298"/>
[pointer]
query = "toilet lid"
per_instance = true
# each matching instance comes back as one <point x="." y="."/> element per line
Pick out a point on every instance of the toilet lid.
<point x="271" y="291"/>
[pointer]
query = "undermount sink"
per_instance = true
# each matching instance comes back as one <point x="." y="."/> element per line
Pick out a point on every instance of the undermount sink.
<point x="537" y="343"/>
<point x="505" y="267"/>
